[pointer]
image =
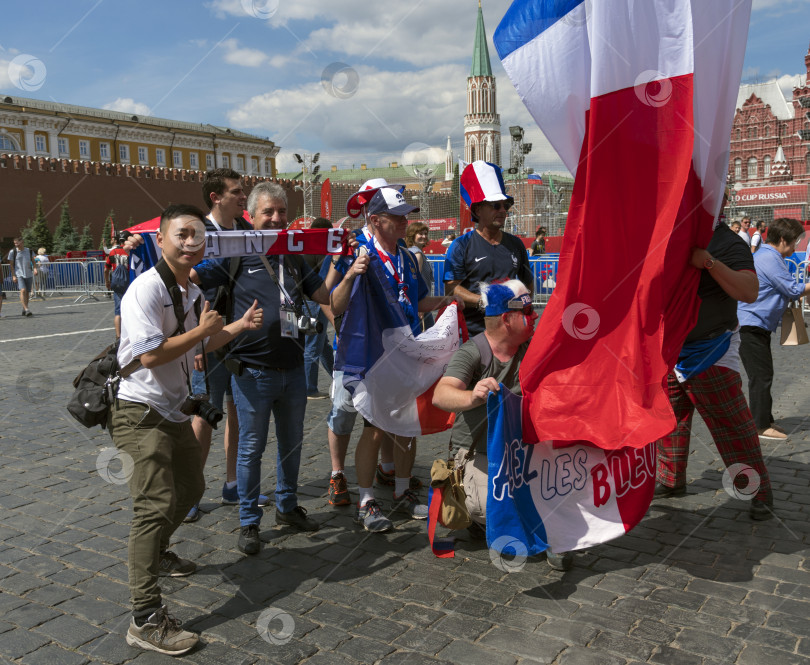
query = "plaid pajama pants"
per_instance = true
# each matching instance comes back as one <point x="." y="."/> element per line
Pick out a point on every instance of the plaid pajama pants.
<point x="717" y="395"/>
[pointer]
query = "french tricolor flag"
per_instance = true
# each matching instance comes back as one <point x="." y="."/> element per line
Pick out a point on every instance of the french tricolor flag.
<point x="638" y="98"/>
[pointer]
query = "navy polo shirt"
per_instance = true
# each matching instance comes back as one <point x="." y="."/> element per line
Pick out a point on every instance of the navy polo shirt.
<point x="266" y="347"/>
<point x="471" y="259"/>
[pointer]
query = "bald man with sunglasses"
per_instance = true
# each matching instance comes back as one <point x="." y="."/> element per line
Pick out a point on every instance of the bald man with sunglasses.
<point x="487" y="253"/>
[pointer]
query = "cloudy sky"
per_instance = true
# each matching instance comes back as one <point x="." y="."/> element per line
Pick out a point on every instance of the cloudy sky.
<point x="358" y="81"/>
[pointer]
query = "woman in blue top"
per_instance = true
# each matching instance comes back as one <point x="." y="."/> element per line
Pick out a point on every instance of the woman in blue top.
<point x="759" y="319"/>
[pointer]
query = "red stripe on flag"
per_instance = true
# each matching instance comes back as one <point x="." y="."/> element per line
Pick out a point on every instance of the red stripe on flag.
<point x="625" y="296"/>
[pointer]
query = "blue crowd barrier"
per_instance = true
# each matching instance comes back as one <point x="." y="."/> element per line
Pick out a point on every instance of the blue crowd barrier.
<point x="544" y="269"/>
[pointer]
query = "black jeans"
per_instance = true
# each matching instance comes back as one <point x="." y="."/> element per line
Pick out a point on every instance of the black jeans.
<point x="755" y="353"/>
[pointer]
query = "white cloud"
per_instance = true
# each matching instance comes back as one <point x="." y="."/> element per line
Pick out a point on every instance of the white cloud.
<point x="128" y="105"/>
<point x="387" y="112"/>
<point x="788" y="82"/>
<point x="244" y="57"/>
<point x="781" y="4"/>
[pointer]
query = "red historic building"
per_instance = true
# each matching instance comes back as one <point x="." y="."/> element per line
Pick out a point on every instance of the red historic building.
<point x="769" y="165"/>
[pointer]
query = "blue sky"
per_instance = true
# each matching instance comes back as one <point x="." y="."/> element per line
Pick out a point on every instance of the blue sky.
<point x="356" y="80"/>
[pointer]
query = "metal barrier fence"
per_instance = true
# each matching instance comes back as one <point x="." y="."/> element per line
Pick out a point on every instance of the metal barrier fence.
<point x="544" y="269"/>
<point x="84" y="278"/>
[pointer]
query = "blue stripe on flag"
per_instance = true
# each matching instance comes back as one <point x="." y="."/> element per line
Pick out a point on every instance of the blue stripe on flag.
<point x="525" y="19"/>
<point x="373" y="308"/>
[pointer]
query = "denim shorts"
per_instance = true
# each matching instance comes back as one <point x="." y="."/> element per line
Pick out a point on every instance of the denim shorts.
<point x="343" y="414"/>
<point x="117" y="303"/>
<point x="25" y="283"/>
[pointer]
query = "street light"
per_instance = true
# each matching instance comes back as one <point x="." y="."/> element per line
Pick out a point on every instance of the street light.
<point x="310" y="176"/>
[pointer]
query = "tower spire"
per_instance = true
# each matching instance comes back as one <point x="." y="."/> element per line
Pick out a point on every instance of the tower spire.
<point x="480" y="60"/>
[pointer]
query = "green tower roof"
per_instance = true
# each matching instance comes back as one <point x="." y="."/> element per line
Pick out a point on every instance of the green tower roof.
<point x="480" y="59"/>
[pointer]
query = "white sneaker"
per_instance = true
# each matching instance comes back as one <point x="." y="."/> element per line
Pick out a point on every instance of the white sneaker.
<point x="161" y="633"/>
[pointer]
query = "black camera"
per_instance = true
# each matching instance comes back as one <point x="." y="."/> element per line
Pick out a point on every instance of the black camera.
<point x="198" y="405"/>
<point x="309" y="325"/>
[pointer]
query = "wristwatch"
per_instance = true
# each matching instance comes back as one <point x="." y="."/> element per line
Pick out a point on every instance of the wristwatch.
<point x="709" y="263"/>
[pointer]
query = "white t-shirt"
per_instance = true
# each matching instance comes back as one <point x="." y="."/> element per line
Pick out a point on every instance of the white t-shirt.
<point x="147" y="319"/>
<point x="756" y="239"/>
<point x="744" y="235"/>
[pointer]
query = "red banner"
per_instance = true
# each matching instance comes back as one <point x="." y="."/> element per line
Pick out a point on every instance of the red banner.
<point x="326" y="200"/>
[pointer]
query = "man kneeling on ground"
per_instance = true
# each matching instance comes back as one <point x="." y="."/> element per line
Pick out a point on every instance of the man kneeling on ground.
<point x="477" y="368"/>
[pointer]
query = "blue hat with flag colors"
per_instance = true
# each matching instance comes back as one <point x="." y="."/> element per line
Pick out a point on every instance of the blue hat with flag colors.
<point x="482" y="181"/>
<point x="390" y="201"/>
<point x="509" y="296"/>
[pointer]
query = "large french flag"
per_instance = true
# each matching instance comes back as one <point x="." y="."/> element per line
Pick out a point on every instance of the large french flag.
<point x="562" y="497"/>
<point x="638" y="98"/>
<point x="390" y="373"/>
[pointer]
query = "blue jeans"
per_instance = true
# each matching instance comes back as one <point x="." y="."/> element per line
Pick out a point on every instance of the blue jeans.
<point x="219" y="381"/>
<point x="316" y="347"/>
<point x="256" y="394"/>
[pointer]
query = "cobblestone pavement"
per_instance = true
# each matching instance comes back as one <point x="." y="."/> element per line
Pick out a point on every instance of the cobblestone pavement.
<point x="696" y="583"/>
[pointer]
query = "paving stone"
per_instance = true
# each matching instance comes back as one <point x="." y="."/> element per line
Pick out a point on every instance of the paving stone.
<point x="460" y="651"/>
<point x="764" y="636"/>
<point x="429" y="641"/>
<point x="417" y="615"/>
<point x="578" y="655"/>
<point x="795" y="625"/>
<point x="92" y="610"/>
<point x="533" y="645"/>
<point x="364" y="649"/>
<point x="18" y="642"/>
<point x="111" y="648"/>
<point x="327" y="637"/>
<point x="51" y="654"/>
<point x="19" y="583"/>
<point x="334" y="615"/>
<point x="69" y="632"/>
<point x="571" y="632"/>
<point x="666" y="655"/>
<point x="51" y="594"/>
<point x="707" y="644"/>
<point x="654" y="631"/>
<point x="755" y="654"/>
<point x="31" y="614"/>
<point x="622" y="645"/>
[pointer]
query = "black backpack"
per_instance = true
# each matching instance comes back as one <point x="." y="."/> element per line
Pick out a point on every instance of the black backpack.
<point x="119" y="280"/>
<point x="96" y="385"/>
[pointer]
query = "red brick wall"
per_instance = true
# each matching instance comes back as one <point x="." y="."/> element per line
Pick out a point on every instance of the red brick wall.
<point x="92" y="189"/>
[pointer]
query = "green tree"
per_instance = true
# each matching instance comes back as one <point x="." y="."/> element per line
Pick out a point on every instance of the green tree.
<point x="106" y="232"/>
<point x="65" y="237"/>
<point x="36" y="234"/>
<point x="86" y="239"/>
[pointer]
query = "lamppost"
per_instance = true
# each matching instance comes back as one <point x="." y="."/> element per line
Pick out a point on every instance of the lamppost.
<point x="310" y="176"/>
<point x="517" y="160"/>
<point x="424" y="174"/>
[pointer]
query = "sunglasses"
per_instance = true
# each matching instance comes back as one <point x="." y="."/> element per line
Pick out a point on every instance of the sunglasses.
<point x="497" y="205"/>
<point x="526" y="309"/>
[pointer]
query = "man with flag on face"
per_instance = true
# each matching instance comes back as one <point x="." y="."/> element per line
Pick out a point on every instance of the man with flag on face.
<point x="478" y="368"/>
<point x="487" y="253"/>
<point x="387" y="212"/>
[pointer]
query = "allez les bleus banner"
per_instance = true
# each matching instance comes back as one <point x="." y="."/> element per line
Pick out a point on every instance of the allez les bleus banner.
<point x="562" y="497"/>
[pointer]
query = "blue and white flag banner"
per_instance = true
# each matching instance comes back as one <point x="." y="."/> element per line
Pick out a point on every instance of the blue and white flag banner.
<point x="565" y="497"/>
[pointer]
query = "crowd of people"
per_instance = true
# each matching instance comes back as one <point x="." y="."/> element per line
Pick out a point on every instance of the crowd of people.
<point x="231" y="329"/>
